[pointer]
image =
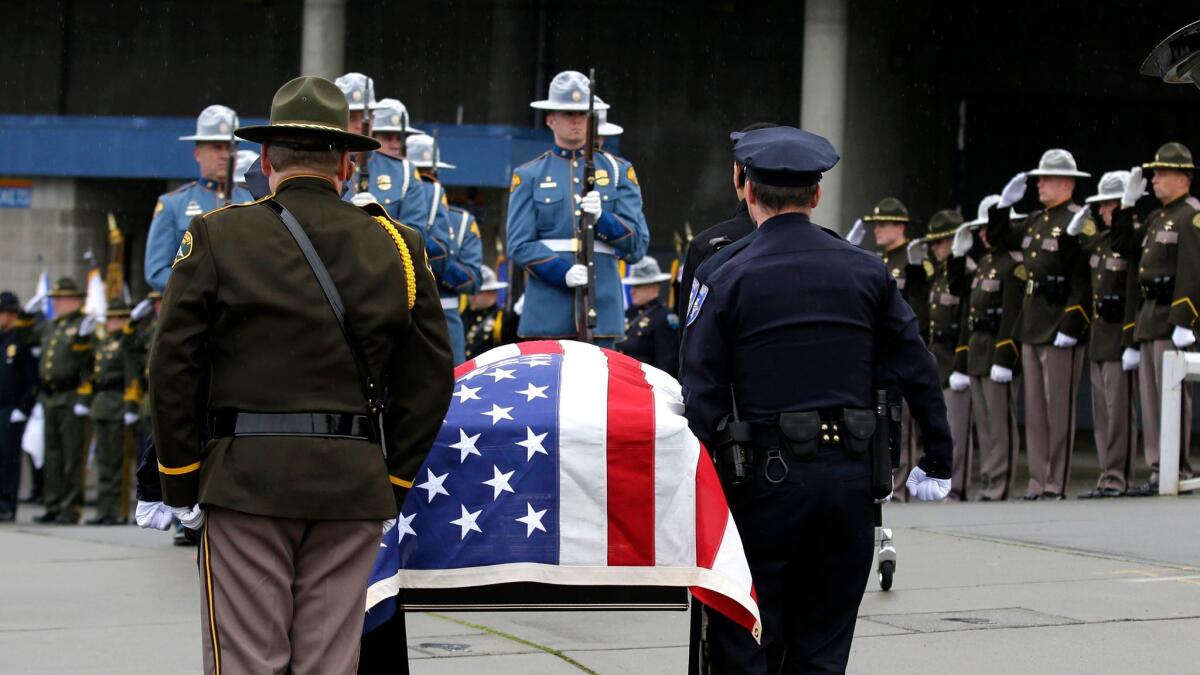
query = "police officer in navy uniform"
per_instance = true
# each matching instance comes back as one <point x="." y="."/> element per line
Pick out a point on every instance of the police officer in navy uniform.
<point x="18" y="382"/>
<point x="651" y="328"/>
<point x="792" y="333"/>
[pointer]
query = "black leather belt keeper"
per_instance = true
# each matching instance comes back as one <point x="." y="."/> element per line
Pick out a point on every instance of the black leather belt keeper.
<point x="323" y="425"/>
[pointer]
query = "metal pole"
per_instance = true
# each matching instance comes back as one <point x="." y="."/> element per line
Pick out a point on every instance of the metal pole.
<point x="823" y="94"/>
<point x="323" y="38"/>
<point x="1173" y="372"/>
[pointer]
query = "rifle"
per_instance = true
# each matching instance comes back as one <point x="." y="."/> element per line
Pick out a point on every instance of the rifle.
<point x="586" y="253"/>
<point x="437" y="156"/>
<point x="230" y="166"/>
<point x="364" y="173"/>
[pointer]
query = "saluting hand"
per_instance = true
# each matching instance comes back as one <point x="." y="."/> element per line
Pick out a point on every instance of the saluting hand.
<point x="856" y="233"/>
<point x="963" y="240"/>
<point x="1076" y="225"/>
<point x="1135" y="187"/>
<point x="917" y="251"/>
<point x="1014" y="191"/>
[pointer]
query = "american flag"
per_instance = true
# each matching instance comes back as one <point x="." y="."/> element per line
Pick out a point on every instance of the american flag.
<point x="563" y="463"/>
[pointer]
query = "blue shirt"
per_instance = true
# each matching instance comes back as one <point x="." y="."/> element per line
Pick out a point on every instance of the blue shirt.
<point x="172" y="215"/>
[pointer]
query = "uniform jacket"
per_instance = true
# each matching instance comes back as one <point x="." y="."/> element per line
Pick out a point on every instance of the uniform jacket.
<point x="463" y="270"/>
<point x="18" y="373"/>
<point x="948" y="290"/>
<point x="1164" y="245"/>
<point x="913" y="282"/>
<point x="65" y="367"/>
<point x="1112" y="311"/>
<point x="703" y="245"/>
<point x="112" y="381"/>
<point x="172" y="214"/>
<point x="244" y="307"/>
<point x="652" y="336"/>
<point x="541" y="206"/>
<point x="993" y="309"/>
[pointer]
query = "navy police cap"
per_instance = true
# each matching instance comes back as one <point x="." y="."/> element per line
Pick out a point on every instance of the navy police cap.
<point x="784" y="156"/>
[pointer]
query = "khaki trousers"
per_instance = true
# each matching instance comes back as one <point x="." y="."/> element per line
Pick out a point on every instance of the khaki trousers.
<point x="994" y="407"/>
<point x="283" y="596"/>
<point x="1051" y="384"/>
<point x="910" y="453"/>
<point x="1150" y="388"/>
<point x="958" y="414"/>
<point x="1113" y="421"/>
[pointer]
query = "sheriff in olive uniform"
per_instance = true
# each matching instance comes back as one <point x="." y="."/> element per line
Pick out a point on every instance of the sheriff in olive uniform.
<point x="651" y="329"/>
<point x="114" y="391"/>
<point x="64" y="375"/>
<point x="305" y="459"/>
<point x="487" y="324"/>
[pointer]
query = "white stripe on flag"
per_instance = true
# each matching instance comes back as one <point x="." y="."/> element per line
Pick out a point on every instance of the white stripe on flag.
<point x="676" y="452"/>
<point x="731" y="559"/>
<point x="582" y="460"/>
<point x="498" y="354"/>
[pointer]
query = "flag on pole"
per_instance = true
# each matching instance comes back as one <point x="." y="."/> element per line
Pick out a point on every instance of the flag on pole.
<point x="563" y="463"/>
<point x="96" y="303"/>
<point x="40" y="302"/>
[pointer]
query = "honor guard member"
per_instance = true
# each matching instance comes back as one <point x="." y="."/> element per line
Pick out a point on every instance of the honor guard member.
<point x="788" y="336"/>
<point x="1165" y="242"/>
<point x="213" y="142"/>
<point x="461" y="272"/>
<point x="947" y="244"/>
<point x="64" y="373"/>
<point x="143" y="320"/>
<point x="394" y="180"/>
<point x="1054" y="316"/>
<point x="112" y="385"/>
<point x="18" y="389"/>
<point x="488" y="325"/>
<point x="544" y="209"/>
<point x="616" y="168"/>
<point x="651" y="328"/>
<point x="992" y="355"/>
<point x="294" y="485"/>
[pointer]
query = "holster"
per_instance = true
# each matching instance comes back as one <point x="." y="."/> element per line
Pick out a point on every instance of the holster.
<point x="881" y="447"/>
<point x="1111" y="308"/>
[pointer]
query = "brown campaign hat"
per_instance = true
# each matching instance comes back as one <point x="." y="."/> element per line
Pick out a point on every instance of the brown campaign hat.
<point x="888" y="210"/>
<point x="1172" y="156"/>
<point x="66" y="288"/>
<point x="309" y="107"/>
<point x="1177" y="59"/>
<point x="943" y="224"/>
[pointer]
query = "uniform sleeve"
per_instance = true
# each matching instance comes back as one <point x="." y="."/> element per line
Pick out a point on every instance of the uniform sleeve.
<point x="706" y="352"/>
<point x="26" y="365"/>
<point x="1123" y="234"/>
<point x="1001" y="231"/>
<point x="1076" y="315"/>
<point x="691" y="258"/>
<point x="624" y="227"/>
<point x="419" y="382"/>
<point x="86" y="348"/>
<point x="962" y="350"/>
<point x="666" y="341"/>
<point x="1133" y="294"/>
<point x="521" y="236"/>
<point x="178" y="365"/>
<point x="161" y="245"/>
<point x="463" y="271"/>
<point x="1007" y="352"/>
<point x="1185" y="306"/>
<point x="132" y="360"/>
<point x="415" y="212"/>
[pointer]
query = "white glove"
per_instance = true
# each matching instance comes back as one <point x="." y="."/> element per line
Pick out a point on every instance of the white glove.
<point x="1014" y="191"/>
<point x="142" y="309"/>
<point x="519" y="305"/>
<point x="960" y="381"/>
<point x="925" y="488"/>
<point x="856" y="233"/>
<point x="590" y="203"/>
<point x="1134" y="188"/>
<point x="576" y="276"/>
<point x="131" y="418"/>
<point x="918" y="251"/>
<point x="388" y="525"/>
<point x="192" y="517"/>
<point x="17" y="416"/>
<point x="1077" y="221"/>
<point x="363" y="198"/>
<point x="81" y="410"/>
<point x="963" y="240"/>
<point x="1001" y="375"/>
<point x="1064" y="341"/>
<point x="153" y="515"/>
<point x="1130" y="359"/>
<point x="1183" y="337"/>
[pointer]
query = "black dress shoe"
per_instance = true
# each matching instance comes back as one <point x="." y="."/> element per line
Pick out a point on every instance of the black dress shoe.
<point x="1030" y="497"/>
<point x="985" y="498"/>
<point x="66" y="518"/>
<point x="1147" y="489"/>
<point x="47" y="517"/>
<point x="1051" y="497"/>
<point x="1098" y="493"/>
<point x="99" y="520"/>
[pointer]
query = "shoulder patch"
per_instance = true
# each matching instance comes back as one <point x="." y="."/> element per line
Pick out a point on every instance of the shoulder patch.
<point x="185" y="249"/>
<point x="696" y="300"/>
<point x="1196" y="220"/>
<point x="1020" y="272"/>
<point x="1089" y="228"/>
<point x="475" y="229"/>
<point x="159" y="207"/>
<point x="516" y="181"/>
<point x="631" y="175"/>
<point x="928" y="267"/>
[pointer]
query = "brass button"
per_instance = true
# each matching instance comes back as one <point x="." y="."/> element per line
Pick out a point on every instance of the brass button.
<point x="824" y="427"/>
<point x="837" y="439"/>
<point x="825" y="438"/>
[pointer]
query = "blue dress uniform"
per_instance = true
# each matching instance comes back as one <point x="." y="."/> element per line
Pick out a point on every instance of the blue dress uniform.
<point x="18" y="380"/>
<point x="462" y="277"/>
<point x="798" y="327"/>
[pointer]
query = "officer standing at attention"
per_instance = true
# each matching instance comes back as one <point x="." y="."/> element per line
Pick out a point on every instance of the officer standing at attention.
<point x="651" y="328"/>
<point x="18" y="382"/>
<point x="294" y="485"/>
<point x="615" y="168"/>
<point x="1054" y="316"/>
<point x="544" y="209"/>
<point x="175" y="209"/>
<point x="65" y="372"/>
<point x="394" y="181"/>
<point x="788" y="335"/>
<point x="111" y="383"/>
<point x="488" y="325"/>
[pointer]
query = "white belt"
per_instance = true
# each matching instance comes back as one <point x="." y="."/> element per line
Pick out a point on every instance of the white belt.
<point x="449" y="303"/>
<point x="568" y="246"/>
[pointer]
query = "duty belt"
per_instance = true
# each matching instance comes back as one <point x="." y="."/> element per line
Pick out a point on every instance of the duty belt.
<point x="989" y="322"/>
<point x="1160" y="289"/>
<point x="572" y="246"/>
<point x="946" y="337"/>
<point x="1111" y="308"/>
<point x="227" y="423"/>
<point x="1049" y="287"/>
<point x="59" y="386"/>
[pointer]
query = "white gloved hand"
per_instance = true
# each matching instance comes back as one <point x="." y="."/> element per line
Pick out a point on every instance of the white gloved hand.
<point x="1130" y="359"/>
<point x="519" y="305"/>
<point x="1076" y="225"/>
<point x="81" y="410"/>
<point x="1134" y="188"/>
<point x="17" y="416"/>
<point x="131" y="418"/>
<point x="1001" y="375"/>
<point x="1064" y="341"/>
<point x="960" y="381"/>
<point x="925" y="488"/>
<point x="388" y="525"/>
<point x="363" y="198"/>
<point x="192" y="517"/>
<point x="963" y="240"/>
<point x="1183" y="337"/>
<point x="1014" y="191"/>
<point x="576" y="276"/>
<point x="856" y="233"/>
<point x="590" y="203"/>
<point x="917" y="251"/>
<point x="153" y="515"/>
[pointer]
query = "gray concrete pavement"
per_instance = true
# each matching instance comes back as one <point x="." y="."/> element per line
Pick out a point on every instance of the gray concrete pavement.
<point x="1067" y="587"/>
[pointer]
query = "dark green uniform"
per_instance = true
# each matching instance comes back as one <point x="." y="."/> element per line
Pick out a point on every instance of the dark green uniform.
<point x="488" y="328"/>
<point x="111" y="384"/>
<point x="64" y="375"/>
<point x="651" y="333"/>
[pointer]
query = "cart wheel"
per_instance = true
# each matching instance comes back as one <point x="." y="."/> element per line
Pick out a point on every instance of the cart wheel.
<point x="886" y="569"/>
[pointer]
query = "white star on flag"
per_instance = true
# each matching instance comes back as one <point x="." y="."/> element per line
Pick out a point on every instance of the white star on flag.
<point x="532" y="520"/>
<point x="501" y="374"/>
<point x="466" y="393"/>
<point x="531" y="392"/>
<point x="533" y="444"/>
<point x="466" y="446"/>
<point x="499" y="482"/>
<point x="497" y="413"/>
<point x="404" y="526"/>
<point x="433" y="484"/>
<point x="467" y="522"/>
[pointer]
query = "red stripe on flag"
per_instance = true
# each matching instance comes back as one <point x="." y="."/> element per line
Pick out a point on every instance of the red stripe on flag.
<point x="712" y="511"/>
<point x="464" y="368"/>
<point x="630" y="452"/>
<point x="540" y="347"/>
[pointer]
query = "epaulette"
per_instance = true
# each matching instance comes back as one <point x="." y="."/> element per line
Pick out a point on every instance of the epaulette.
<point x="535" y="159"/>
<point x="181" y="188"/>
<point x="230" y="206"/>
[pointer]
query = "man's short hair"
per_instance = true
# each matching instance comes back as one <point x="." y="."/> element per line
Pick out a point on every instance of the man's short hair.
<point x="775" y="198"/>
<point x="304" y="153"/>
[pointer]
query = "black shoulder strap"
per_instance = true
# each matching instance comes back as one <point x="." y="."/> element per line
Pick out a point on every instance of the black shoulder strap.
<point x="370" y="391"/>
